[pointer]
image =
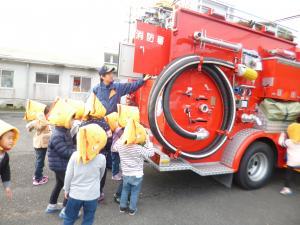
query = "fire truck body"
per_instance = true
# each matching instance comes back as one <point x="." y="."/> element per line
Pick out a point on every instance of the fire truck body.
<point x="203" y="106"/>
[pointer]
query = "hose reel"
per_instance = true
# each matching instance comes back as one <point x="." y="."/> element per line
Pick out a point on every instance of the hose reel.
<point x="161" y="91"/>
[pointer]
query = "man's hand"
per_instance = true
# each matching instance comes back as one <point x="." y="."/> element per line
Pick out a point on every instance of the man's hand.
<point x="147" y="77"/>
<point x="66" y="195"/>
<point x="9" y="193"/>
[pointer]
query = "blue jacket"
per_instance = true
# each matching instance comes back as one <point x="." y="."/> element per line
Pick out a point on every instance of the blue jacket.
<point x="60" y="149"/>
<point x="103" y="92"/>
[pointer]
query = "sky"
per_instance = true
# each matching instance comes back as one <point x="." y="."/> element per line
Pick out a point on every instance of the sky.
<point x="79" y="31"/>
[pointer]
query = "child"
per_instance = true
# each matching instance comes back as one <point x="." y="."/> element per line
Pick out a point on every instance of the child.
<point x="8" y="139"/>
<point x="132" y="153"/>
<point x="84" y="172"/>
<point x="293" y="154"/>
<point x="40" y="144"/>
<point x="94" y="114"/>
<point x="60" y="149"/>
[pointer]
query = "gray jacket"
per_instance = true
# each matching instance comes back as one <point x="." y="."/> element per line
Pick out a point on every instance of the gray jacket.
<point x="82" y="181"/>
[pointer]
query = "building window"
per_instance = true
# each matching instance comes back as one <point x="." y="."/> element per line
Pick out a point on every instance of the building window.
<point x="47" y="78"/>
<point x="6" y="78"/>
<point x="111" y="58"/>
<point x="81" y="84"/>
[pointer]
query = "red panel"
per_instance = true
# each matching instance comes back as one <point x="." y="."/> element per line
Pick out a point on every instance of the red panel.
<point x="187" y="22"/>
<point x="141" y="99"/>
<point x="152" y="48"/>
<point x="283" y="80"/>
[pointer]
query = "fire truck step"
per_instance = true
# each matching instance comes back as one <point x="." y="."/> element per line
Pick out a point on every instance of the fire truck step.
<point x="174" y="165"/>
<point x="210" y="169"/>
<point x="203" y="169"/>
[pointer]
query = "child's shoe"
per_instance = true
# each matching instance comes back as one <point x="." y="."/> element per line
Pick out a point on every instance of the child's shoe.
<point x="44" y="180"/>
<point x="62" y="213"/>
<point x="117" y="198"/>
<point x="286" y="191"/>
<point x="123" y="210"/>
<point x="33" y="178"/>
<point x="118" y="176"/>
<point x="52" y="208"/>
<point x="132" y="212"/>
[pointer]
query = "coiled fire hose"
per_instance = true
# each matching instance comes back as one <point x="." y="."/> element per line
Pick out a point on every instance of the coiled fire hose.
<point x="163" y="86"/>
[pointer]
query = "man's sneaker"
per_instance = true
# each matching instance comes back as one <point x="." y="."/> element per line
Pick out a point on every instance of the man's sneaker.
<point x="118" y="176"/>
<point x="101" y="198"/>
<point x="62" y="213"/>
<point x="132" y="212"/>
<point x="117" y="198"/>
<point x="52" y="208"/>
<point x="44" y="180"/>
<point x="123" y="210"/>
<point x="286" y="191"/>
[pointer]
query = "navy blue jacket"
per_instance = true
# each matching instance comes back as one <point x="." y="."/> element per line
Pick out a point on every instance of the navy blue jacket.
<point x="5" y="168"/>
<point x="103" y="92"/>
<point x="60" y="149"/>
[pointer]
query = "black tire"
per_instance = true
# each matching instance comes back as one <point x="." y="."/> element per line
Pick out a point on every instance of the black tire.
<point x="244" y="178"/>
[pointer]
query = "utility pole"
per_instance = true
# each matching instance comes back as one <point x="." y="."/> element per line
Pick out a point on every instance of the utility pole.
<point x="129" y="25"/>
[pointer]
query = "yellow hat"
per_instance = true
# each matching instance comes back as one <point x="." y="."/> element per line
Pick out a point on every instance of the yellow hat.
<point x="32" y="108"/>
<point x="78" y="106"/>
<point x="94" y="108"/>
<point x="5" y="127"/>
<point x="128" y="112"/>
<point x="61" y="114"/>
<point x="293" y="131"/>
<point x="164" y="3"/>
<point x="134" y="133"/>
<point x="91" y="139"/>
<point x="112" y="120"/>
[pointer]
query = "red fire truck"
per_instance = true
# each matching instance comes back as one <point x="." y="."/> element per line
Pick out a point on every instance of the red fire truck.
<point x="212" y="77"/>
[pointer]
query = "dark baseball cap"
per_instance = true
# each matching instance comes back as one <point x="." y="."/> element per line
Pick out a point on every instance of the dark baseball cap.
<point x="105" y="70"/>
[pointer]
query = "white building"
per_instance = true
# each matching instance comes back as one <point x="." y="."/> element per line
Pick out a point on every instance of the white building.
<point x="22" y="79"/>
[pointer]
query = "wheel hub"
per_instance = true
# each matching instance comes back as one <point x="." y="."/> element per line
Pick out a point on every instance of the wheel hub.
<point x="257" y="166"/>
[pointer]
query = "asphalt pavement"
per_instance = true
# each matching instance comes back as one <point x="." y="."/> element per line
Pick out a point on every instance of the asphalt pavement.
<point x="167" y="198"/>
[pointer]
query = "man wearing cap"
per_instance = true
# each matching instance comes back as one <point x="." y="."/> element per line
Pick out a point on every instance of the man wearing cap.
<point x="110" y="92"/>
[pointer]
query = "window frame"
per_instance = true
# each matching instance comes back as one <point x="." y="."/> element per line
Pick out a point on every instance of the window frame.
<point x="13" y="75"/>
<point x="112" y="57"/>
<point x="47" y="83"/>
<point x="73" y="77"/>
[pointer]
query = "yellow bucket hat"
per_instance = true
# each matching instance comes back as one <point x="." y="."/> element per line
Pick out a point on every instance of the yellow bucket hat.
<point x="32" y="109"/>
<point x="112" y="120"/>
<point x="5" y="127"/>
<point x="128" y="112"/>
<point x="94" y="108"/>
<point x="91" y="140"/>
<point x="293" y="131"/>
<point x="61" y="114"/>
<point x="78" y="106"/>
<point x="134" y="133"/>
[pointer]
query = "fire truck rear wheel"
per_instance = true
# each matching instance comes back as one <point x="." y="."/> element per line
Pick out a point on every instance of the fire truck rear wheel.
<point x="256" y="166"/>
